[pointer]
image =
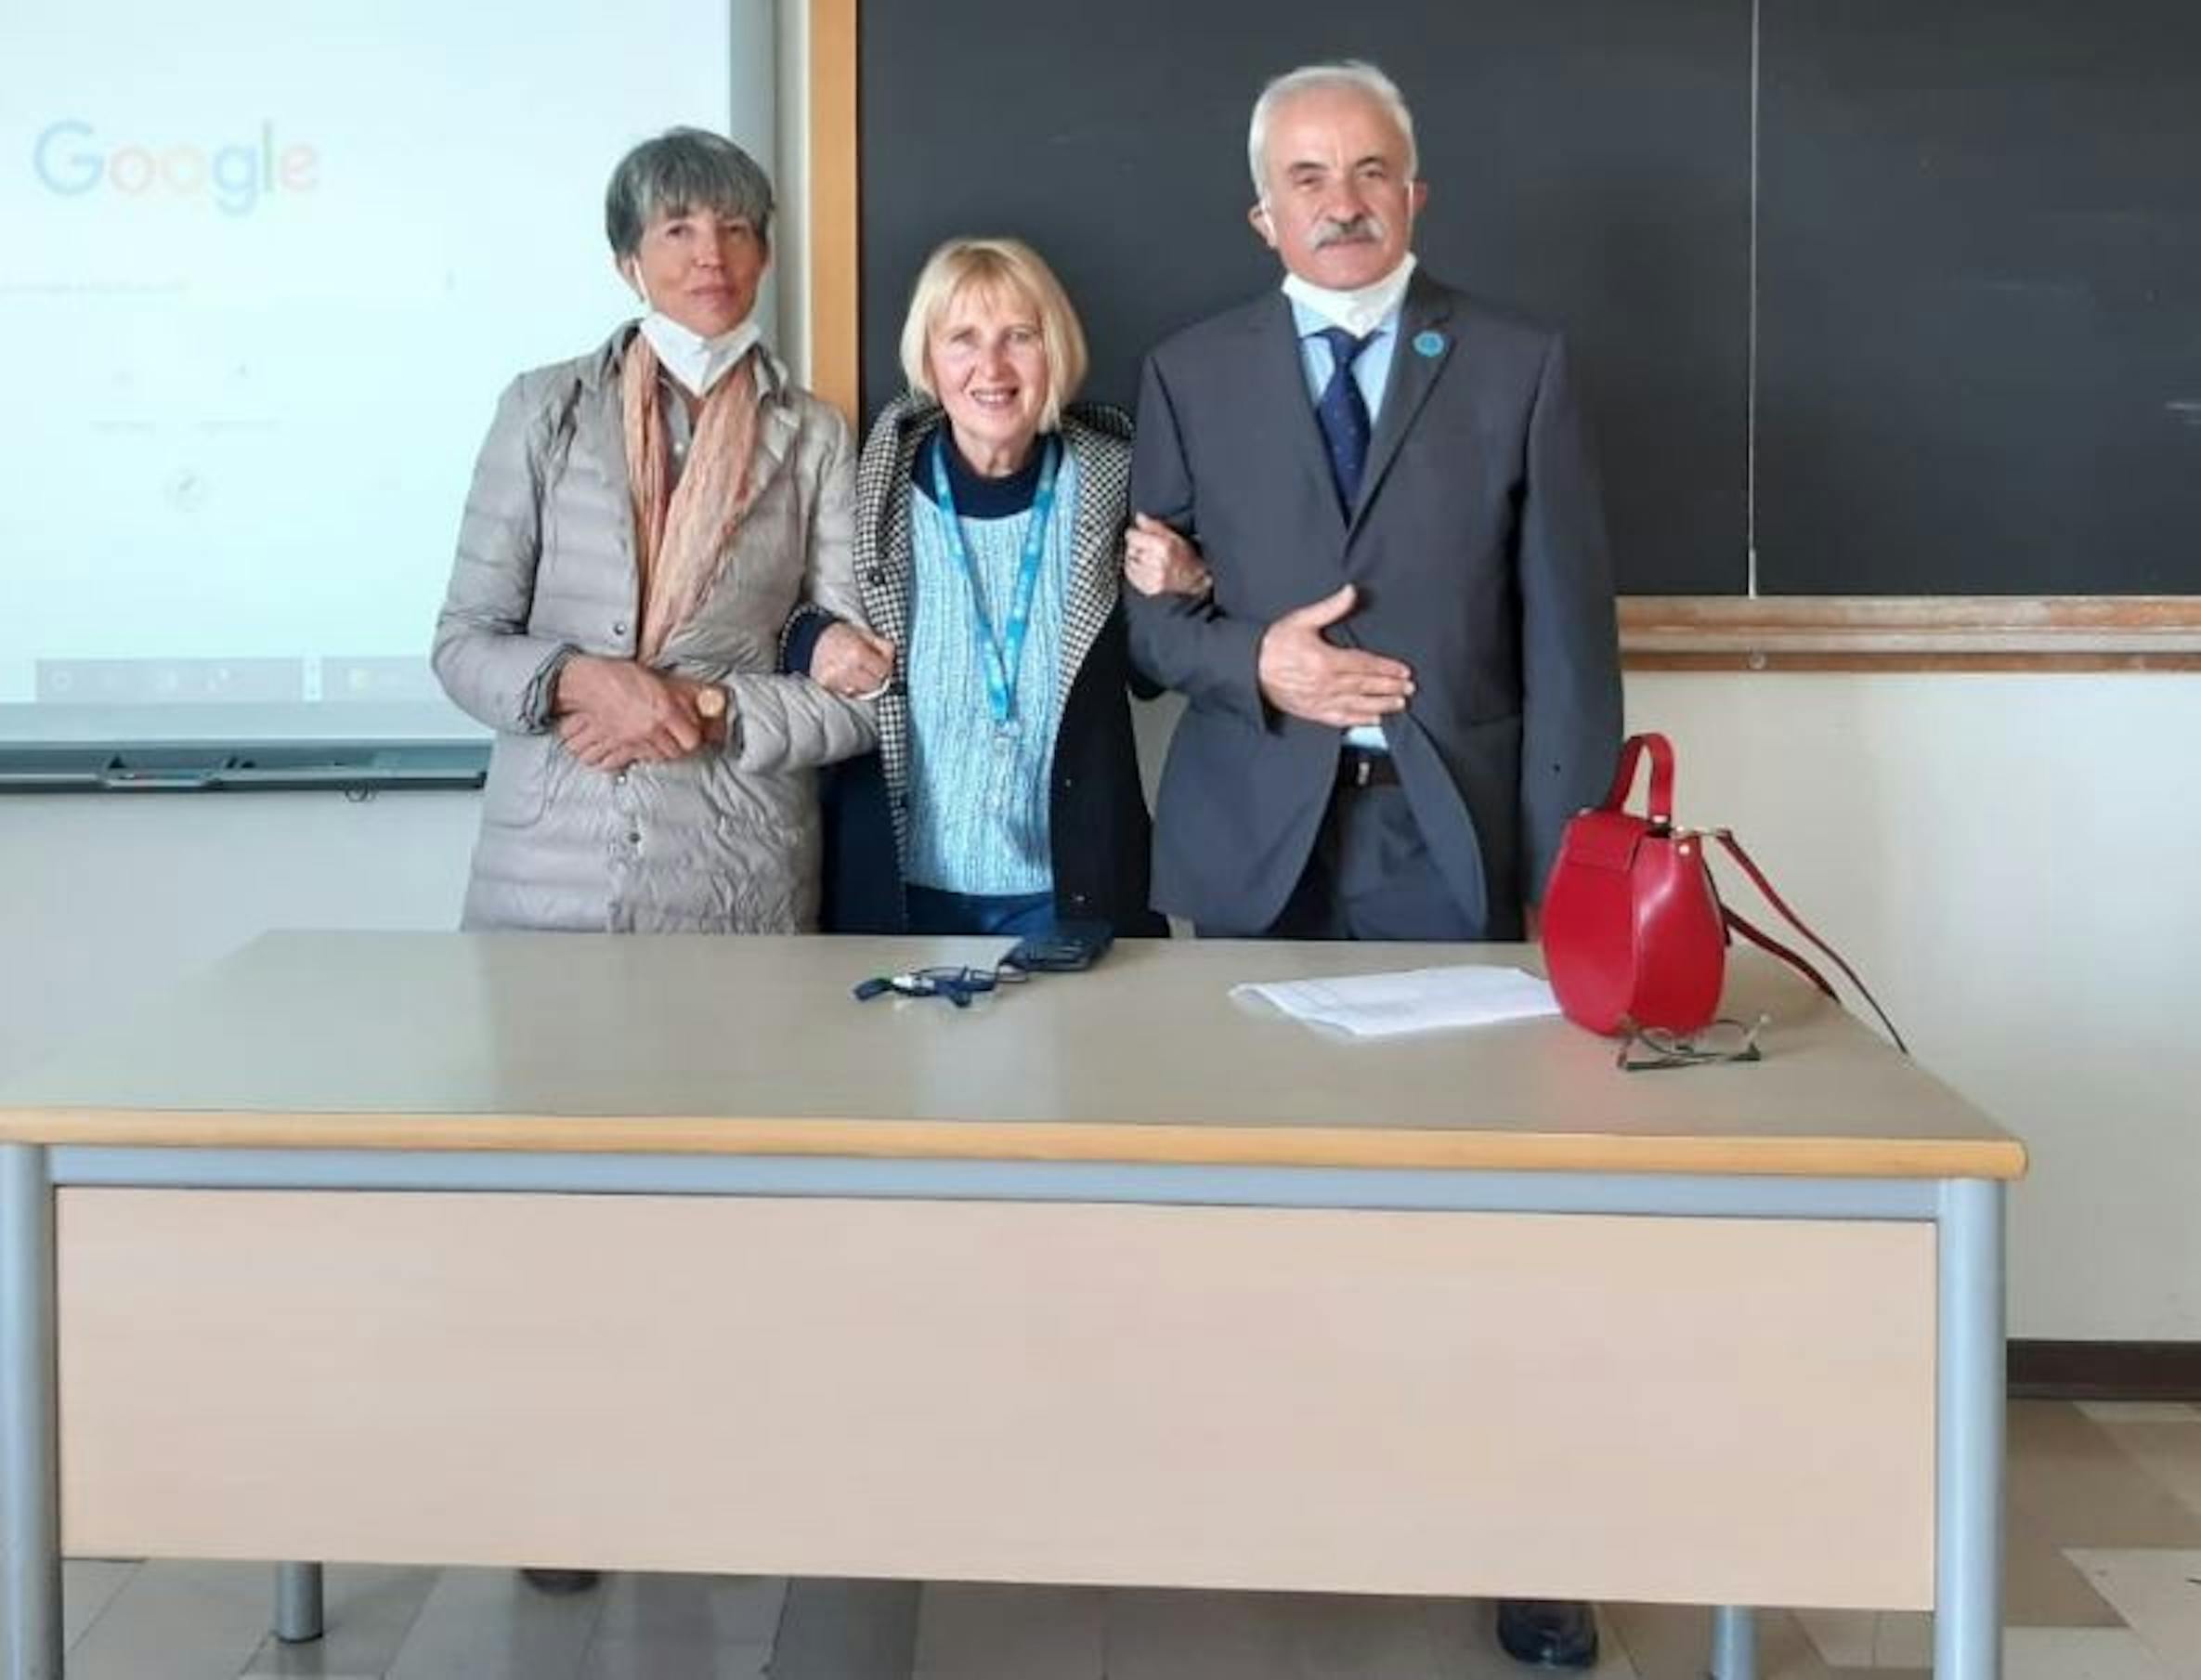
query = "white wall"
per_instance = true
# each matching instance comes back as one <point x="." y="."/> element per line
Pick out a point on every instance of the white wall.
<point x="2011" y="860"/>
<point x="107" y="899"/>
<point x="792" y="241"/>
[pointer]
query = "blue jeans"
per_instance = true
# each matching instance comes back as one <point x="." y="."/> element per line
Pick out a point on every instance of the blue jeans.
<point x="1014" y="914"/>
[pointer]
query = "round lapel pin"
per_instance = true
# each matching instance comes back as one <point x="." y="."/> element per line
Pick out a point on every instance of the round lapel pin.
<point x="1429" y="343"/>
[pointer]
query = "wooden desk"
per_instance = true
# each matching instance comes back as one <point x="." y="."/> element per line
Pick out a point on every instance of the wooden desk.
<point x="666" y="1253"/>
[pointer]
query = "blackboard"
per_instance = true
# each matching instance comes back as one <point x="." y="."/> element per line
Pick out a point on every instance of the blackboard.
<point x="1980" y="297"/>
<point x="1869" y="298"/>
<point x="1588" y="161"/>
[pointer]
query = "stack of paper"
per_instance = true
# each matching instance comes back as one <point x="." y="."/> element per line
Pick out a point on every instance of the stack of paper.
<point x="1376" y="1006"/>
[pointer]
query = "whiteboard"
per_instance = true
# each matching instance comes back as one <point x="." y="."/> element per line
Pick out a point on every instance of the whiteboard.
<point x="266" y="269"/>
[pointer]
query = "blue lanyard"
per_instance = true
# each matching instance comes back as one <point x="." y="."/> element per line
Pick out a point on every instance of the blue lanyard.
<point x="1002" y="653"/>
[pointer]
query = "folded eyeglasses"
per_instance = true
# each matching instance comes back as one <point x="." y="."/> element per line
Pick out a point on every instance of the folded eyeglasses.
<point x="1647" y="1049"/>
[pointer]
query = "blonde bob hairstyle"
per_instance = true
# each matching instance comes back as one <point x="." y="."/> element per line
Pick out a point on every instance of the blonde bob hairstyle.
<point x="999" y="270"/>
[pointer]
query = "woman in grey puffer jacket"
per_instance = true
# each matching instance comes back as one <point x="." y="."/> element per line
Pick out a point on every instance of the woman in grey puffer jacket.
<point x="641" y="521"/>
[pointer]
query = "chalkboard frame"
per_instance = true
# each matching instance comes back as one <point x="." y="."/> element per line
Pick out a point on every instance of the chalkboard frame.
<point x="1658" y="632"/>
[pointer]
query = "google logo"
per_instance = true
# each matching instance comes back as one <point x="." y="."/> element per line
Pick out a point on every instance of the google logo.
<point x="67" y="158"/>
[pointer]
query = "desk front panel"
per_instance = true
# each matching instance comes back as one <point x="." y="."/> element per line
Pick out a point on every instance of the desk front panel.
<point x="1620" y="1407"/>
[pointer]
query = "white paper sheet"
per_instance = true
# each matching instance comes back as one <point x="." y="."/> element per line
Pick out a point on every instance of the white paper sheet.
<point x="1416" y="1001"/>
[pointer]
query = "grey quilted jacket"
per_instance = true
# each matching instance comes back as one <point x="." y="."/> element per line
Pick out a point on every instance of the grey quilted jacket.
<point x="726" y="839"/>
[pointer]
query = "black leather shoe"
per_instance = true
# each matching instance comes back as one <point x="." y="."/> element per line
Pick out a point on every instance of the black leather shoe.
<point x="1548" y="1632"/>
<point x="561" y="1583"/>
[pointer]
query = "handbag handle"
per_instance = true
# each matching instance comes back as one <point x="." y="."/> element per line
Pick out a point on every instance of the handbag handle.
<point x="1661" y="776"/>
<point x="1766" y="942"/>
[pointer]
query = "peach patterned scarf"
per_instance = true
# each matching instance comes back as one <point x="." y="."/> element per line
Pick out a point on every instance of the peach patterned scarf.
<point x="684" y="533"/>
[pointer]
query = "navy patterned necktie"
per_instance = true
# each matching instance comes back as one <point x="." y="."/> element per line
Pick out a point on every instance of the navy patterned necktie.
<point x="1344" y="415"/>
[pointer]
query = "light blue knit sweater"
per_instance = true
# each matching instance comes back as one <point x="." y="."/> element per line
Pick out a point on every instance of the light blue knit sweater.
<point x="978" y="794"/>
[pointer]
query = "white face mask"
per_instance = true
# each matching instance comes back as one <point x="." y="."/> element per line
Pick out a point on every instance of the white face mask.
<point x="1358" y="311"/>
<point x="696" y="361"/>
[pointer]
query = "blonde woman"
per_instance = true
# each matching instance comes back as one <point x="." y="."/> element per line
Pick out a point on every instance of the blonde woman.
<point x="991" y="514"/>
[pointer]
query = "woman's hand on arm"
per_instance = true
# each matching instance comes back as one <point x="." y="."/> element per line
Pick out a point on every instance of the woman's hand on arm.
<point x="612" y="713"/>
<point x="1158" y="561"/>
<point x="851" y="661"/>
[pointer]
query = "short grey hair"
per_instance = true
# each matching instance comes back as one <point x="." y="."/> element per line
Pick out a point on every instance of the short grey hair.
<point x="684" y="169"/>
<point x="1356" y="74"/>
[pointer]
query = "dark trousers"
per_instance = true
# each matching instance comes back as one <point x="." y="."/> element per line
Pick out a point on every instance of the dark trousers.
<point x="1371" y="877"/>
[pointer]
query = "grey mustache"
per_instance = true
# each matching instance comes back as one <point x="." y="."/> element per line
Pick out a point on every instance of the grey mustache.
<point x="1361" y="227"/>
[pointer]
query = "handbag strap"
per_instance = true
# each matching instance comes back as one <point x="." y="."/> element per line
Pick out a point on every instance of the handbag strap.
<point x="1766" y="942"/>
<point x="1661" y="776"/>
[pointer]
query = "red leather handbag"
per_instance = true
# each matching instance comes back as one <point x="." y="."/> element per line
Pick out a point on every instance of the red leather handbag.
<point x="1635" y="934"/>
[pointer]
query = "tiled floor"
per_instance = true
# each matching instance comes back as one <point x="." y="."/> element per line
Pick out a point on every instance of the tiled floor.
<point x="2104" y="1583"/>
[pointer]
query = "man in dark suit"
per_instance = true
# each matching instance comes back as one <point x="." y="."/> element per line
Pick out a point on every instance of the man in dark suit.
<point x="1406" y="678"/>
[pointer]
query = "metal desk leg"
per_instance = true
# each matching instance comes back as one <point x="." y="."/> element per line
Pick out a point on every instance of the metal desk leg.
<point x="297" y="1602"/>
<point x="1734" y="1643"/>
<point x="1968" y="1478"/>
<point x="30" y="1474"/>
